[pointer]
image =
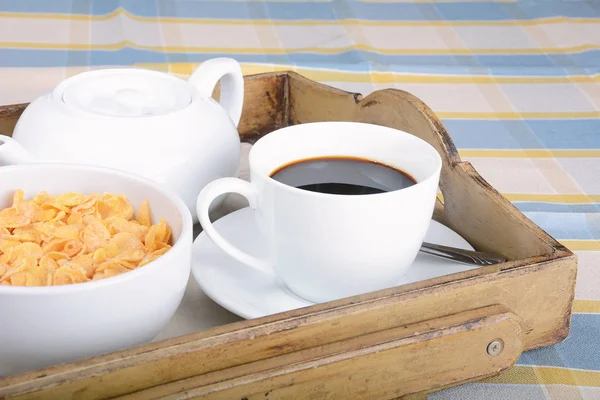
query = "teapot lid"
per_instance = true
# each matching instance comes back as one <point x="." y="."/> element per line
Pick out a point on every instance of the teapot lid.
<point x="124" y="92"/>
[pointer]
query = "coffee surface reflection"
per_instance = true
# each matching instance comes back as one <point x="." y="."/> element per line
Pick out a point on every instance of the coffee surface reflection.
<point x="343" y="176"/>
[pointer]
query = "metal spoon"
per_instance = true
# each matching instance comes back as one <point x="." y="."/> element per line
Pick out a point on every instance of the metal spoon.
<point x="463" y="256"/>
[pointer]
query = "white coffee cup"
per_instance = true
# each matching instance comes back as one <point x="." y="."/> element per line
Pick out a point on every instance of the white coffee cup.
<point x="328" y="246"/>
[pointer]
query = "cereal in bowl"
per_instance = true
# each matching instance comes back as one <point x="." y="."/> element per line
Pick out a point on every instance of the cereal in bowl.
<point x="75" y="238"/>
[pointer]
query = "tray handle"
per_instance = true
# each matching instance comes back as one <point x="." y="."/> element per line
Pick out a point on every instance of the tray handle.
<point x="310" y="101"/>
<point x="389" y="363"/>
<point x="404" y="111"/>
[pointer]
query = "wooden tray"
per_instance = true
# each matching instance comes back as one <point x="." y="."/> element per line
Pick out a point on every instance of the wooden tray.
<point x="404" y="341"/>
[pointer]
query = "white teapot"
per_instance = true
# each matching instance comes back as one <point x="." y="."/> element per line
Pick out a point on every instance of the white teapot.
<point x="140" y="121"/>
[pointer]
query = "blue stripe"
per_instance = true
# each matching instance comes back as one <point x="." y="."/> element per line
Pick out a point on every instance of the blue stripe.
<point x="579" y="350"/>
<point x="531" y="207"/>
<point x="568" y="226"/>
<point x="525" y="134"/>
<point x="338" y="9"/>
<point x="359" y="61"/>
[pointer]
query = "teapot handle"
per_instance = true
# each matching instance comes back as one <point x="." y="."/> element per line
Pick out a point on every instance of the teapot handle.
<point x="229" y="72"/>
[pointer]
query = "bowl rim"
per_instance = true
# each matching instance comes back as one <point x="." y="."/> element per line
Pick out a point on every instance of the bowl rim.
<point x="186" y="233"/>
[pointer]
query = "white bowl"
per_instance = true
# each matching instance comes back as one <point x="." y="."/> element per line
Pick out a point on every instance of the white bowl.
<point x="40" y="326"/>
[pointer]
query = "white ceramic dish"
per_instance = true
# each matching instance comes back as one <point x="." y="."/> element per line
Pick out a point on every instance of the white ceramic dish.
<point x="141" y="121"/>
<point x="252" y="294"/>
<point x="47" y="325"/>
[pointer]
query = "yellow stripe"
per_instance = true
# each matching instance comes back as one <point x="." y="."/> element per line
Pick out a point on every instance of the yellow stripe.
<point x="351" y="21"/>
<point x="278" y="1"/>
<point x="586" y="306"/>
<point x="382" y="77"/>
<point x="581" y="245"/>
<point x="436" y="1"/>
<point x="528" y="375"/>
<point x="520" y="115"/>
<point x="389" y="77"/>
<point x="281" y="51"/>
<point x="554" y="198"/>
<point x="470" y="153"/>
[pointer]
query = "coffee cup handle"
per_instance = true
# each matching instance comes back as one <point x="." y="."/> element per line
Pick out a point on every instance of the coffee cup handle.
<point x="207" y="196"/>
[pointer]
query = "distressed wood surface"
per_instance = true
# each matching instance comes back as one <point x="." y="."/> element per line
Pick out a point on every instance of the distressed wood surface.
<point x="368" y="366"/>
<point x="330" y="350"/>
<point x="9" y="116"/>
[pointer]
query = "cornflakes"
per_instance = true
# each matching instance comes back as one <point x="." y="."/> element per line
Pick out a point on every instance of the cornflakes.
<point x="75" y="238"/>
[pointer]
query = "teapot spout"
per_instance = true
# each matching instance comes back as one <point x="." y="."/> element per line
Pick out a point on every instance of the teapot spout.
<point x="12" y="153"/>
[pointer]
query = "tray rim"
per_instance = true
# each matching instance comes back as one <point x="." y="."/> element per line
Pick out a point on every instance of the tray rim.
<point x="450" y="154"/>
<point x="428" y="287"/>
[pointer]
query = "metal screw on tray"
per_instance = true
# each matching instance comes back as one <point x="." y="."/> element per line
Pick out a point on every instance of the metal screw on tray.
<point x="495" y="347"/>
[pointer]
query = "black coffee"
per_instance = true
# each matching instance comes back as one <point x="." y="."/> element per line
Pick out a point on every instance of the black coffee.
<point x="343" y="175"/>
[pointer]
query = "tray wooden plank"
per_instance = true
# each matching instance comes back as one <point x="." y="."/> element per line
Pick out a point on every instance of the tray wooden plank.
<point x="371" y="369"/>
<point x="330" y="350"/>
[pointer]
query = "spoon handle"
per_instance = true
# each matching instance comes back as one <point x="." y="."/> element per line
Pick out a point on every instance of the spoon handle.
<point x="462" y="256"/>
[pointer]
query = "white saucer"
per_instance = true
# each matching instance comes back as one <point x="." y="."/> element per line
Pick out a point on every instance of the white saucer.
<point x="252" y="294"/>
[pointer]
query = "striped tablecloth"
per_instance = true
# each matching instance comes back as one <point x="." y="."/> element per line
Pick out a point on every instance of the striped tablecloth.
<point x="515" y="83"/>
